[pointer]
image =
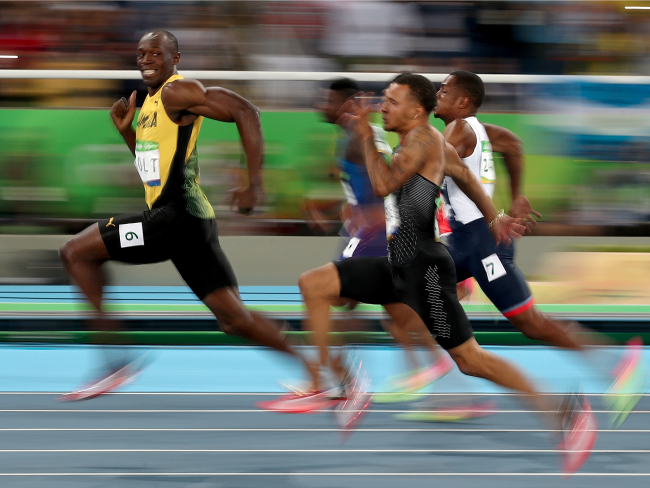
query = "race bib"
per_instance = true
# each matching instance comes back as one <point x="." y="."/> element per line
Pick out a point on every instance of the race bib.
<point x="147" y="162"/>
<point x="350" y="248"/>
<point x="131" y="235"/>
<point x="488" y="173"/>
<point x="393" y="221"/>
<point x="493" y="267"/>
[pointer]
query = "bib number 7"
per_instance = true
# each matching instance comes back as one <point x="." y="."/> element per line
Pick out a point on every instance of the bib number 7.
<point x="493" y="267"/>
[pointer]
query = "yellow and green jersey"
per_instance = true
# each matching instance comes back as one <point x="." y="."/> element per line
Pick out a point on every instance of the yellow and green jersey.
<point x="167" y="160"/>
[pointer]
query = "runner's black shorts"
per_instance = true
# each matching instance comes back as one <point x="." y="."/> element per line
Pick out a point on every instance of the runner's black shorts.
<point x="427" y="284"/>
<point x="475" y="252"/>
<point x="171" y="233"/>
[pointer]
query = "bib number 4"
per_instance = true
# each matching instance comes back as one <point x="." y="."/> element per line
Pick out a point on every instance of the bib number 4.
<point x="393" y="220"/>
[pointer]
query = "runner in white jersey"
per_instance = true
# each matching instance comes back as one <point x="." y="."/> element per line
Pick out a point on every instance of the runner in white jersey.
<point x="475" y="251"/>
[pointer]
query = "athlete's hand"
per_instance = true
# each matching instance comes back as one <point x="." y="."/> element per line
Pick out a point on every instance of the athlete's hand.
<point x="521" y="208"/>
<point x="507" y="228"/>
<point x="244" y="199"/>
<point x="354" y="114"/>
<point x="123" y="112"/>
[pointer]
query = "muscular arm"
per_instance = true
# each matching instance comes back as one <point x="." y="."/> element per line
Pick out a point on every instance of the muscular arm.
<point x="123" y="113"/>
<point x="185" y="99"/>
<point x="468" y="183"/>
<point x="509" y="146"/>
<point x="412" y="154"/>
<point x="460" y="135"/>
<point x="129" y="137"/>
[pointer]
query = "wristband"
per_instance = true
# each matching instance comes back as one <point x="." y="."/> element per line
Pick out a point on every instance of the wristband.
<point x="499" y="215"/>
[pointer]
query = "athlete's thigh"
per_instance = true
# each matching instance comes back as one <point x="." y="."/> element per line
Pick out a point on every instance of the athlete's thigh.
<point x="428" y="286"/>
<point x="460" y="260"/>
<point x="200" y="260"/>
<point x="367" y="280"/>
<point x="141" y="238"/>
<point x="496" y="273"/>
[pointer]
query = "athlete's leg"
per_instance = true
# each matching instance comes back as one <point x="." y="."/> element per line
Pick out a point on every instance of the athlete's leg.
<point x="560" y="333"/>
<point x="83" y="256"/>
<point x="207" y="271"/>
<point x="235" y="319"/>
<point x="408" y="329"/>
<point x="321" y="288"/>
<point x="473" y="360"/>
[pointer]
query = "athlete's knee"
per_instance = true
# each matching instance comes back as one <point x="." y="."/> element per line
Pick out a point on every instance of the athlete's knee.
<point x="69" y="253"/>
<point x="234" y="321"/>
<point x="319" y="282"/>
<point x="534" y="325"/>
<point x="472" y="360"/>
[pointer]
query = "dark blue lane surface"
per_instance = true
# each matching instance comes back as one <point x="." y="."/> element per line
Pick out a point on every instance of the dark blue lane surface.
<point x="221" y="440"/>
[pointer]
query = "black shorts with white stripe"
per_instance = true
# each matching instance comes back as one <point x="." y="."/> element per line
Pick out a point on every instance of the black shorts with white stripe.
<point x="427" y="284"/>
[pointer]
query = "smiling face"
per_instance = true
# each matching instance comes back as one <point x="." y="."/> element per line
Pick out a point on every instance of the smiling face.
<point x="398" y="107"/>
<point x="156" y="60"/>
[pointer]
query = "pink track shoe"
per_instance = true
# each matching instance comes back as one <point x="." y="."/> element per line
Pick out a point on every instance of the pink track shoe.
<point x="579" y="435"/>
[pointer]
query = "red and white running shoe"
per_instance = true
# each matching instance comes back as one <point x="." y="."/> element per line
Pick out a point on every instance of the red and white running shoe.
<point x="579" y="435"/>
<point x="303" y="402"/>
<point x="348" y="414"/>
<point x="106" y="384"/>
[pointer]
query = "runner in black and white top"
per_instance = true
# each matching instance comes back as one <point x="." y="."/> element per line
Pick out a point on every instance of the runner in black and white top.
<point x="419" y="272"/>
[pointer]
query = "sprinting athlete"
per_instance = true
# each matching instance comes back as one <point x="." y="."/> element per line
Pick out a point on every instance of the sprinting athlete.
<point x="179" y="224"/>
<point x="418" y="271"/>
<point x="364" y="221"/>
<point x="474" y="249"/>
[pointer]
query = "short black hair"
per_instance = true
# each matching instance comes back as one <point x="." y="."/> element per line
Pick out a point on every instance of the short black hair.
<point x="422" y="89"/>
<point x="472" y="85"/>
<point x="173" y="42"/>
<point x="346" y="86"/>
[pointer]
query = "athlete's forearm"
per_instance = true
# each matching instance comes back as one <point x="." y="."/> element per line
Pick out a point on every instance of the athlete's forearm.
<point x="129" y="137"/>
<point x="510" y="147"/>
<point x="250" y="131"/>
<point x="514" y="165"/>
<point x="382" y="180"/>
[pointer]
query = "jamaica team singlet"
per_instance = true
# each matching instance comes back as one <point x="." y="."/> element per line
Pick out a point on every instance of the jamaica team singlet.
<point x="167" y="160"/>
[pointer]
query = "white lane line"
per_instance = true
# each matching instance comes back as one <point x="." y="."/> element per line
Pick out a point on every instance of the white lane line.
<point x="278" y="393"/>
<point x="374" y="473"/>
<point x="439" y="410"/>
<point x="328" y="451"/>
<point x="117" y="429"/>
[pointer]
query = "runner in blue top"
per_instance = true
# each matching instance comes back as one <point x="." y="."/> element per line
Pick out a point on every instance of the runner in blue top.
<point x="364" y="225"/>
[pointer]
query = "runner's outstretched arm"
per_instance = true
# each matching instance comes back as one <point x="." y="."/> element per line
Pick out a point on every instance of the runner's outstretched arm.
<point x="502" y="226"/>
<point x="186" y="98"/>
<point x="510" y="147"/>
